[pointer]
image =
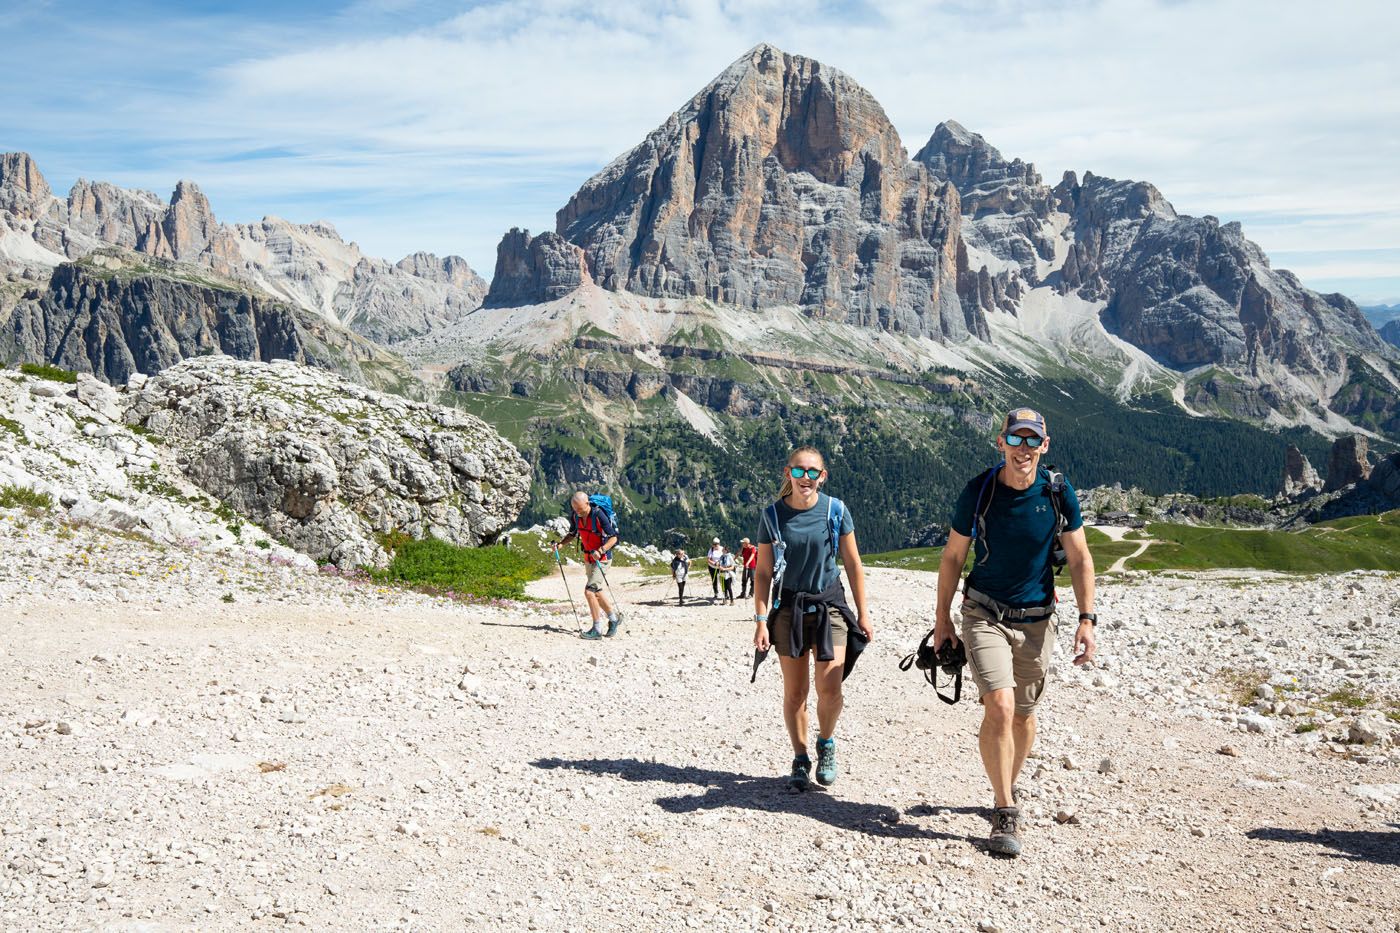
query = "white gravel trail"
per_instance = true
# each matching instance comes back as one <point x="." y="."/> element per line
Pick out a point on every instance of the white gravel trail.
<point x="314" y="753"/>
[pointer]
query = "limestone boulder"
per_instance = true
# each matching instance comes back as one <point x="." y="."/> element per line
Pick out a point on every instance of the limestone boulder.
<point x="329" y="466"/>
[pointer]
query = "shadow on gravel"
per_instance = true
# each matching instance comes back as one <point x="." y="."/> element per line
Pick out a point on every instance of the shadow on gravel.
<point x="534" y="628"/>
<point x="765" y="794"/>
<point x="1380" y="848"/>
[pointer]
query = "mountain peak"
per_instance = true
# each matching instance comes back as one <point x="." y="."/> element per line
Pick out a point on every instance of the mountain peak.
<point x="19" y="172"/>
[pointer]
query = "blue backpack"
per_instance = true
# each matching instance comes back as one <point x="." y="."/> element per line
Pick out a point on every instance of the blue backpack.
<point x="835" y="514"/>
<point x="603" y="516"/>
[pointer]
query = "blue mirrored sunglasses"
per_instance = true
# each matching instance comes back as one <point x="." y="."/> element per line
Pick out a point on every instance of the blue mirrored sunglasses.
<point x="810" y="473"/>
<point x="1016" y="440"/>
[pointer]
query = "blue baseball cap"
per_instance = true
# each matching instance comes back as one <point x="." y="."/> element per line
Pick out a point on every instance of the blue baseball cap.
<point x="1025" y="418"/>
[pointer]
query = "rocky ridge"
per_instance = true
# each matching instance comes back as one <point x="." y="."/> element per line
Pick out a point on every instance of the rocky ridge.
<point x="782" y="184"/>
<point x="114" y="316"/>
<point x="308" y="265"/>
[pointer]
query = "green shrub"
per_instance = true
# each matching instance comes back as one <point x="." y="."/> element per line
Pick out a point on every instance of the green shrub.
<point x="52" y="373"/>
<point x="487" y="572"/>
<point x="22" y="497"/>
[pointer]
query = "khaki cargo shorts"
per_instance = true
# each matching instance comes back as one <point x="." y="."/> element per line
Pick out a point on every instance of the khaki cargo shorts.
<point x="1008" y="655"/>
<point x="595" y="576"/>
<point x="782" y="630"/>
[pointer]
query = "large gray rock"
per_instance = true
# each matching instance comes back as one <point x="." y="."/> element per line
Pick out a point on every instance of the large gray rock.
<point x="1347" y="462"/>
<point x="530" y="269"/>
<point x="328" y="466"/>
<point x="1299" y="477"/>
<point x="782" y="183"/>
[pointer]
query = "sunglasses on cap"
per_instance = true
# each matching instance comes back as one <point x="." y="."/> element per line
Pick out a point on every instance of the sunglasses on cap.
<point x="809" y="472"/>
<point x="1016" y="440"/>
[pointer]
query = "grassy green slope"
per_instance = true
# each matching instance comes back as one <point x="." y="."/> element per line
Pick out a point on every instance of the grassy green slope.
<point x="1362" y="542"/>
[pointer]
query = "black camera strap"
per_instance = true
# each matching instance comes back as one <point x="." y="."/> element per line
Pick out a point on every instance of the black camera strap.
<point x="926" y="658"/>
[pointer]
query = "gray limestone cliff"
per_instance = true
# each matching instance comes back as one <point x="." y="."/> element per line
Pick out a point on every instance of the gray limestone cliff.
<point x="106" y="317"/>
<point x="782" y="183"/>
<point x="308" y="265"/>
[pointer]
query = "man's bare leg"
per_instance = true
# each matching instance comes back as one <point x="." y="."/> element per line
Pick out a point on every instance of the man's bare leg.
<point x="997" y="744"/>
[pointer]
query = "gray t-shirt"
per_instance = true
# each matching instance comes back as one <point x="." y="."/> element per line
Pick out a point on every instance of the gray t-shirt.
<point x="811" y="565"/>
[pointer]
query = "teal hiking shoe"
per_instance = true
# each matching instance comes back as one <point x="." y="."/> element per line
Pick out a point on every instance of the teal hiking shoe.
<point x="591" y="634"/>
<point x="614" y="624"/>
<point x="826" y="762"/>
<point x="801" y="772"/>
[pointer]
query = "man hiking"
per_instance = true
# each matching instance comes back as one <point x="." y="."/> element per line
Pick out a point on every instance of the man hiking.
<point x="748" y="560"/>
<point x="597" y="536"/>
<point x="1015" y="516"/>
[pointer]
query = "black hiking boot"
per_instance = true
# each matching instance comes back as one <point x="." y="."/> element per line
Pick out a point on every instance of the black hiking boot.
<point x="1006" y="834"/>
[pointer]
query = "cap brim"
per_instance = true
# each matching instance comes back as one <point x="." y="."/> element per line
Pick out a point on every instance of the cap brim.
<point x="1030" y="425"/>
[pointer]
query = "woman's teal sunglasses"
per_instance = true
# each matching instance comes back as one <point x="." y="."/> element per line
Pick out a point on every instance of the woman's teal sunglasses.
<point x="810" y="473"/>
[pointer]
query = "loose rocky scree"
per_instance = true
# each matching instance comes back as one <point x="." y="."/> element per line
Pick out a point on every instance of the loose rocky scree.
<point x="200" y="739"/>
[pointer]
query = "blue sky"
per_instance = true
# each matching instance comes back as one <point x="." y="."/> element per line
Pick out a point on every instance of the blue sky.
<point x="437" y="126"/>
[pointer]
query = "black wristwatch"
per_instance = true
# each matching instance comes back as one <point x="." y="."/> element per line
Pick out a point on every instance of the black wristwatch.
<point x="1089" y="617"/>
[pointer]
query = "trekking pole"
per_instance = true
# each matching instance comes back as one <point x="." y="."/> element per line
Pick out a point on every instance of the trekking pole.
<point x="617" y="606"/>
<point x="560" y="561"/>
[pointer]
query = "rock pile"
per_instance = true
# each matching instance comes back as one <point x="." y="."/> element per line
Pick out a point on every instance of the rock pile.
<point x="329" y="466"/>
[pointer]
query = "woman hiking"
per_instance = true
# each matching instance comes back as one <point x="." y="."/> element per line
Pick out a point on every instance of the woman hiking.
<point x="799" y="537"/>
<point x="680" y="569"/>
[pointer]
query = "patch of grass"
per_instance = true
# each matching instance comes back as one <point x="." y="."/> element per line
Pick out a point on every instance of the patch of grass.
<point x="22" y="497"/>
<point x="1349" y="697"/>
<point x="1303" y="727"/>
<point x="1242" y="683"/>
<point x="12" y="426"/>
<point x="51" y="373"/>
<point x="227" y="597"/>
<point x="488" y="572"/>
<point x="262" y="544"/>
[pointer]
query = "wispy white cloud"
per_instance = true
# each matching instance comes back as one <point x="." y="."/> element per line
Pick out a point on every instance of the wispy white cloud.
<point x="438" y="127"/>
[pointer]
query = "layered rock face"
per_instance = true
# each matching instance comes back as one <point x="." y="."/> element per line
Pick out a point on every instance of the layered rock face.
<point x="530" y="269"/>
<point x="328" y="466"/>
<point x="1347" y="463"/>
<point x="781" y="183"/>
<point x="1005" y="205"/>
<point x="1299" y="477"/>
<point x="117" y="322"/>
<point x="306" y="264"/>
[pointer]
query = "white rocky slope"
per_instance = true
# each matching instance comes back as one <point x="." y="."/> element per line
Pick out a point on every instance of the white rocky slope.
<point x="197" y="743"/>
<point x="208" y="447"/>
<point x="308" y="265"/>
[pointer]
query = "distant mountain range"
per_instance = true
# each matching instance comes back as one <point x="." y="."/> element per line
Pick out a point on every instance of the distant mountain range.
<point x="768" y="266"/>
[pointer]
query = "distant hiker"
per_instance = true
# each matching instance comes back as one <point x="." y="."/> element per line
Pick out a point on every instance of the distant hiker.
<point x="680" y="569"/>
<point x="800" y="605"/>
<point x="727" y="567"/>
<point x="712" y="562"/>
<point x="1022" y="520"/>
<point x="592" y="522"/>
<point x="748" y="558"/>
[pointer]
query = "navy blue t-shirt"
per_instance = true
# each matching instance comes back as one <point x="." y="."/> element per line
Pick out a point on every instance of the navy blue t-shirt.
<point x="811" y="565"/>
<point x="1011" y="555"/>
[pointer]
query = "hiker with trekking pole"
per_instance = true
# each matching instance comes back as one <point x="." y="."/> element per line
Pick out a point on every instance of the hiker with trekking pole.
<point x="800" y="606"/>
<point x="680" y="569"/>
<point x="1022" y="523"/>
<point x="594" y="524"/>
